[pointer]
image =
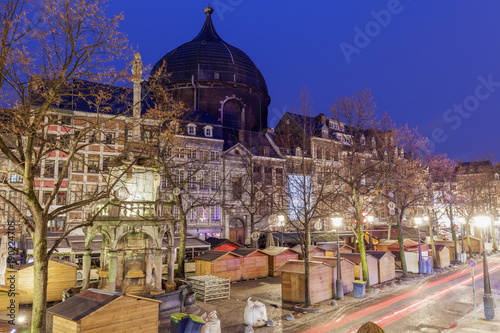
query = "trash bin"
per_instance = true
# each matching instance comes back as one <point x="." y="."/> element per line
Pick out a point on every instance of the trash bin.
<point x="359" y="288"/>
<point x="423" y="267"/>
<point x="194" y="324"/>
<point x="178" y="322"/>
<point x="429" y="266"/>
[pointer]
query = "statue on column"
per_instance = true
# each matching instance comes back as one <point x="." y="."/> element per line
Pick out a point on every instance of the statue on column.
<point x="137" y="67"/>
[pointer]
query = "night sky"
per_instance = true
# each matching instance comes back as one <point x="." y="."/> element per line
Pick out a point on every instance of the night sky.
<point x="432" y="64"/>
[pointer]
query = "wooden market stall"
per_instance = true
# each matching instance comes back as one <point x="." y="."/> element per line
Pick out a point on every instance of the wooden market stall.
<point x="293" y="281"/>
<point x="346" y="269"/>
<point x="358" y="273"/>
<point x="314" y="251"/>
<point x="442" y="255"/>
<point x="331" y="249"/>
<point x="61" y="275"/>
<point x="219" y="263"/>
<point x="222" y="244"/>
<point x="393" y="244"/>
<point x="95" y="310"/>
<point x="386" y="264"/>
<point x="254" y="263"/>
<point x="451" y="245"/>
<point x="277" y="257"/>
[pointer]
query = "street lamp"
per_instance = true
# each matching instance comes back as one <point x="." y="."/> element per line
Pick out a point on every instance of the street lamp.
<point x="461" y="221"/>
<point x="339" y="286"/>
<point x="489" y="312"/>
<point x="369" y="218"/>
<point x="281" y="223"/>
<point x="419" y="220"/>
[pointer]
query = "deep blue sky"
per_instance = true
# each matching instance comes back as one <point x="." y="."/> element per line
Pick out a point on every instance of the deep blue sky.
<point x="429" y="57"/>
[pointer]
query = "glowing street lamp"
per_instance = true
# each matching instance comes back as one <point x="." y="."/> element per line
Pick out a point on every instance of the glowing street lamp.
<point x="339" y="286"/>
<point x="489" y="312"/>
<point x="419" y="220"/>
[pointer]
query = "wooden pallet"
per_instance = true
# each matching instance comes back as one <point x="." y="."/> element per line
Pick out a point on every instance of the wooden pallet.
<point x="210" y="287"/>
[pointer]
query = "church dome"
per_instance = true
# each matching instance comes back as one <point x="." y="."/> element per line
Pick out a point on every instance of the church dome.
<point x="208" y="58"/>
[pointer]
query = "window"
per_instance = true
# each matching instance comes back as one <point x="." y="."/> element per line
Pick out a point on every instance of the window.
<point x="79" y="136"/>
<point x="327" y="154"/>
<point x="256" y="173"/>
<point x="319" y="155"/>
<point x="65" y="121"/>
<point x="214" y="156"/>
<point x="105" y="163"/>
<point x="231" y="115"/>
<point x="268" y="175"/>
<point x="214" y="214"/>
<point x="61" y="198"/>
<point x="76" y="192"/>
<point x="279" y="176"/>
<point x="203" y="180"/>
<point x="181" y="152"/>
<point x="93" y="164"/>
<point x="363" y="140"/>
<point x="266" y="151"/>
<point x="60" y="167"/>
<point x="214" y="181"/>
<point x="110" y="138"/>
<point x="49" y="169"/>
<point x="77" y="164"/>
<point x="324" y="133"/>
<point x="208" y="131"/>
<point x="192" y="129"/>
<point x="45" y="197"/>
<point x="150" y="135"/>
<point x="92" y="137"/>
<point x="191" y="153"/>
<point x="15" y="178"/>
<point x="237" y="188"/>
<point x="55" y="226"/>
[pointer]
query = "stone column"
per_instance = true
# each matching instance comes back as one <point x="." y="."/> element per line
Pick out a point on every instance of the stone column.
<point x="112" y="270"/>
<point x="158" y="270"/>
<point x="119" y="270"/>
<point x="86" y="269"/>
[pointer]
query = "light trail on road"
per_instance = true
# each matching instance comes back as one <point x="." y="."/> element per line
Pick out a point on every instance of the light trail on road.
<point x="393" y="316"/>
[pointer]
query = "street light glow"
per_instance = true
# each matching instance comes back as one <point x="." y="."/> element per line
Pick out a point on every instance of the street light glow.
<point x="482" y="221"/>
<point x="417" y="220"/>
<point x="336" y="221"/>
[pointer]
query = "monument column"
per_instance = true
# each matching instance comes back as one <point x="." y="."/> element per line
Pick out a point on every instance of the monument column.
<point x="112" y="270"/>
<point x="86" y="269"/>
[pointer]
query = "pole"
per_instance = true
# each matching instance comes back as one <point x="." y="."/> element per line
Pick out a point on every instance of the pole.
<point x="489" y="311"/>
<point x="474" y="292"/>
<point x="463" y="244"/>
<point x="371" y="239"/>
<point x="419" y="251"/>
<point x="338" y="284"/>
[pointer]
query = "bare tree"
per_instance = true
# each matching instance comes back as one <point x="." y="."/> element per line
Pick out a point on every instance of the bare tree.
<point x="45" y="47"/>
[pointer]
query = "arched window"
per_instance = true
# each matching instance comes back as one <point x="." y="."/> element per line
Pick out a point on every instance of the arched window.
<point x="231" y="115"/>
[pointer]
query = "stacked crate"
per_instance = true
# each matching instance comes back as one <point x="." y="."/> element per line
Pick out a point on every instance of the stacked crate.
<point x="210" y="287"/>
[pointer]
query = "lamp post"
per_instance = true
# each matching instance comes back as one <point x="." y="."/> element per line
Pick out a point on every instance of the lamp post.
<point x="339" y="286"/>
<point x="489" y="311"/>
<point x="461" y="221"/>
<point x="281" y="223"/>
<point x="418" y="220"/>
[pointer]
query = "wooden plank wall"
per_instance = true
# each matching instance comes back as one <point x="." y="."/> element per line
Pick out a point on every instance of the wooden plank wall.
<point x="276" y="262"/>
<point x="386" y="268"/>
<point x="227" y="268"/>
<point x="320" y="284"/>
<point x="63" y="325"/>
<point x="347" y="270"/>
<point x="126" y="314"/>
<point x="60" y="276"/>
<point x="255" y="265"/>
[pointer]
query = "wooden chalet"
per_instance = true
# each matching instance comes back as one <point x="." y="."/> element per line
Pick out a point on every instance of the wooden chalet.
<point x="254" y="263"/>
<point x="277" y="257"/>
<point x="219" y="263"/>
<point x="393" y="244"/>
<point x="386" y="263"/>
<point x="346" y="269"/>
<point x="95" y="310"/>
<point x="61" y="275"/>
<point x="358" y="272"/>
<point x="293" y="281"/>
<point x="222" y="244"/>
<point x="314" y="251"/>
<point x="331" y="249"/>
<point x="442" y="255"/>
<point x="451" y="245"/>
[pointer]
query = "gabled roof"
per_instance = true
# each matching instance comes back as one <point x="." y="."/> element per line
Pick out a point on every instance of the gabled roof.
<point x="379" y="254"/>
<point x="244" y="252"/>
<point x="333" y="247"/>
<point x="440" y="247"/>
<point x="297" y="248"/>
<point x="215" y="242"/>
<point x="212" y="255"/>
<point x="275" y="250"/>
<point x="87" y="302"/>
<point x="332" y="261"/>
<point x="298" y="266"/>
<point x="354" y="257"/>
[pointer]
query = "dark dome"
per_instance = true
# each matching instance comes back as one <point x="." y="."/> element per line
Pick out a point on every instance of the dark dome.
<point x="208" y="57"/>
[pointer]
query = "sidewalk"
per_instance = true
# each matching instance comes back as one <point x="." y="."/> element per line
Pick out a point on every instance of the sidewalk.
<point x="468" y="323"/>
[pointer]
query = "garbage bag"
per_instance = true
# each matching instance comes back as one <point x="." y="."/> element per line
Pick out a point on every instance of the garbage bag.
<point x="255" y="313"/>
<point x="212" y="323"/>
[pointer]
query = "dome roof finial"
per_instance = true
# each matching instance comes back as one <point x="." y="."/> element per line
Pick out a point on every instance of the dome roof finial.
<point x="208" y="10"/>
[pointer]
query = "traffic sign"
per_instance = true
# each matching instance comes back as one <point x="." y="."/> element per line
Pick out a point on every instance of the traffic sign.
<point x="471" y="263"/>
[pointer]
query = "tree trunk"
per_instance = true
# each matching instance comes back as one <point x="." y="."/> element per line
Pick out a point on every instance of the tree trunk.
<point x="307" y="300"/>
<point x="362" y="250"/>
<point x="389" y="228"/>
<point x="401" y="244"/>
<point x="181" y="256"/>
<point x="467" y="226"/>
<point x="454" y="235"/>
<point x="41" y="264"/>
<point x="252" y="229"/>
<point x="494" y="238"/>
<point x="171" y="253"/>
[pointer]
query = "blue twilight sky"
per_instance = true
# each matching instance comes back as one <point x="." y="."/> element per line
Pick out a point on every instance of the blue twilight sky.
<point x="431" y="64"/>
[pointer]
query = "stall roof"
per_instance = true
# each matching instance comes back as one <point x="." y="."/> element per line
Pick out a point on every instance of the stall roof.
<point x="333" y="247"/>
<point x="274" y="250"/>
<point x="242" y="251"/>
<point x="379" y="254"/>
<point x="298" y="266"/>
<point x="212" y="255"/>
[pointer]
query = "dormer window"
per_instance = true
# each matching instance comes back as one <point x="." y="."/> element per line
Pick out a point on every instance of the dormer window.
<point x="324" y="133"/>
<point x="298" y="152"/>
<point x="363" y="140"/>
<point x="208" y="131"/>
<point x="192" y="129"/>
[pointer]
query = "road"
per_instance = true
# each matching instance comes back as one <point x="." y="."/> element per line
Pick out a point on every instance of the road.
<point x="433" y="305"/>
